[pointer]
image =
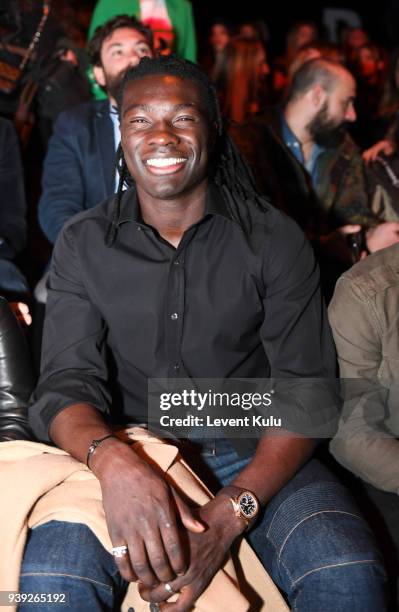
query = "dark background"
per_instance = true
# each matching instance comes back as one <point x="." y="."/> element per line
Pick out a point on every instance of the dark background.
<point x="380" y="18"/>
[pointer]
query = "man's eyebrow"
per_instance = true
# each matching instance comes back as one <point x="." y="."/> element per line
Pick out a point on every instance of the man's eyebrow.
<point x="185" y="105"/>
<point x="120" y="44"/>
<point x="147" y="108"/>
<point x="115" y="44"/>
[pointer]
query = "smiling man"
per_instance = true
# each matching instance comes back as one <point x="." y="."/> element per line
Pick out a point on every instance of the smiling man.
<point x="189" y="273"/>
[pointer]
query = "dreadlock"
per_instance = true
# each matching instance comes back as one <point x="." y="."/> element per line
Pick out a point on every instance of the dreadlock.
<point x="231" y="172"/>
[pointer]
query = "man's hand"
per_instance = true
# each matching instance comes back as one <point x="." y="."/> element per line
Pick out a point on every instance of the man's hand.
<point x="207" y="554"/>
<point x="383" y="146"/>
<point x="144" y="513"/>
<point x="382" y="236"/>
<point x="21" y="311"/>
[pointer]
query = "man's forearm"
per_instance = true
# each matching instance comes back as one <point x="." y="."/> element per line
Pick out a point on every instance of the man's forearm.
<point x="74" y="429"/>
<point x="276" y="461"/>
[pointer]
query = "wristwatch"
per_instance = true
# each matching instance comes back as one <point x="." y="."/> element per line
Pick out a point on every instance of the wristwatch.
<point x="245" y="506"/>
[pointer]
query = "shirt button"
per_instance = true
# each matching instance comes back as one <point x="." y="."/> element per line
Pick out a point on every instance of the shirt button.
<point x="138" y="228"/>
<point x="174" y="316"/>
<point x="176" y="367"/>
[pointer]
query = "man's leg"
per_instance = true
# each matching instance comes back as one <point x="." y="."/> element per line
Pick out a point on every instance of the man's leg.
<point x="63" y="557"/>
<point x="312" y="540"/>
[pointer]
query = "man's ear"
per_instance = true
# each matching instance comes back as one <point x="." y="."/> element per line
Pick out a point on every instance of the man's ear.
<point x="318" y="96"/>
<point x="99" y="75"/>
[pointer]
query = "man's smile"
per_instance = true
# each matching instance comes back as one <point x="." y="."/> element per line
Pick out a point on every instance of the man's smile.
<point x="165" y="165"/>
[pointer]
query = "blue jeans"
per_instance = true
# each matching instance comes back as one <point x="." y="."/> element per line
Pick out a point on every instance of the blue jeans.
<point x="310" y="538"/>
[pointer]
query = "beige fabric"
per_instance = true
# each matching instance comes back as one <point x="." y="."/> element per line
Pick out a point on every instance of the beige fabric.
<point x="382" y="205"/>
<point x="364" y="319"/>
<point x="39" y="483"/>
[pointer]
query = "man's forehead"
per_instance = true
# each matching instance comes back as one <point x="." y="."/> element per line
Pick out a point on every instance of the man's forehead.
<point x="179" y="90"/>
<point x="348" y="86"/>
<point x="122" y="34"/>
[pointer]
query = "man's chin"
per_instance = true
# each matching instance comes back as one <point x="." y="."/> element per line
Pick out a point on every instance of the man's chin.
<point x="330" y="139"/>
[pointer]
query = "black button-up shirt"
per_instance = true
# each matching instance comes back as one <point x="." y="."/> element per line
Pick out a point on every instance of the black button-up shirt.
<point x="223" y="304"/>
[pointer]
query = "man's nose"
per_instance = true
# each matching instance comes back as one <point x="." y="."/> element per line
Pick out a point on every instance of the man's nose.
<point x="163" y="134"/>
<point x="351" y="113"/>
<point x="134" y="59"/>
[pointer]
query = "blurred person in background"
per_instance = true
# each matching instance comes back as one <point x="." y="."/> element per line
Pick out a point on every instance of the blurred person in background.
<point x="42" y="68"/>
<point x="13" y="284"/>
<point x="301" y="34"/>
<point x="305" y="161"/>
<point x="241" y="82"/>
<point x="369" y="67"/>
<point x="387" y="114"/>
<point x="220" y="34"/>
<point x="79" y="169"/>
<point x="353" y="39"/>
<point x="255" y="30"/>
<point x="171" y="21"/>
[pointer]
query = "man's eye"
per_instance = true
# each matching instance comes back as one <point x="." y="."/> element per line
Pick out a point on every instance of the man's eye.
<point x="116" y="53"/>
<point x="186" y="118"/>
<point x="144" y="51"/>
<point x="138" y="120"/>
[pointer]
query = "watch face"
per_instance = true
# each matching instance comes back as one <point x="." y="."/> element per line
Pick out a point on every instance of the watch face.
<point x="248" y="505"/>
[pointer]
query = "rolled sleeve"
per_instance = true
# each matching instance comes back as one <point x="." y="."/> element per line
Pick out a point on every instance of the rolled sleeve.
<point x="73" y="368"/>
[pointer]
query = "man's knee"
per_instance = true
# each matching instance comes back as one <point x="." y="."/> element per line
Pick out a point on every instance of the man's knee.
<point x="322" y="544"/>
<point x="61" y="550"/>
<point x="320" y="524"/>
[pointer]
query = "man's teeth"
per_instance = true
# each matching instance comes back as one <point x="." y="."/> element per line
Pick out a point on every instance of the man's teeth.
<point x="162" y="162"/>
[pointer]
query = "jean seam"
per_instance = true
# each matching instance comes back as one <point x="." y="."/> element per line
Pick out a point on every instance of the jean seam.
<point x="287" y="570"/>
<point x="107" y="586"/>
<point x="309" y="517"/>
<point x="343" y="564"/>
<point x="279" y="560"/>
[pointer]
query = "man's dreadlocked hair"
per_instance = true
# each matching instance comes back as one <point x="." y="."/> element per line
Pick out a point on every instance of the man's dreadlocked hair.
<point x="230" y="171"/>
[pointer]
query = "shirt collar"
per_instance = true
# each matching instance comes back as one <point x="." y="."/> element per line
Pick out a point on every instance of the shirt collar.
<point x="290" y="139"/>
<point x="215" y="205"/>
<point x="295" y="147"/>
<point x="113" y="111"/>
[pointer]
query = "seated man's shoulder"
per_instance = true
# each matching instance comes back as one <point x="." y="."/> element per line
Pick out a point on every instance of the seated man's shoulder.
<point x="82" y="114"/>
<point x="281" y="234"/>
<point x="348" y="148"/>
<point x="90" y="222"/>
<point x="276" y="221"/>
<point x="375" y="274"/>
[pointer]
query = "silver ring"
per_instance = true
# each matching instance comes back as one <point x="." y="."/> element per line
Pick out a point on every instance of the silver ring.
<point x="119" y="551"/>
<point x="169" y="588"/>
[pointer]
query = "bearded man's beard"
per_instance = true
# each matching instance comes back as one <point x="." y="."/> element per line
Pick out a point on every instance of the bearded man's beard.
<point x="324" y="130"/>
<point x="113" y="83"/>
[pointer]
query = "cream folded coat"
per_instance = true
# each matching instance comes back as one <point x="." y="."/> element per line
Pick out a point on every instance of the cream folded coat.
<point x="39" y="483"/>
